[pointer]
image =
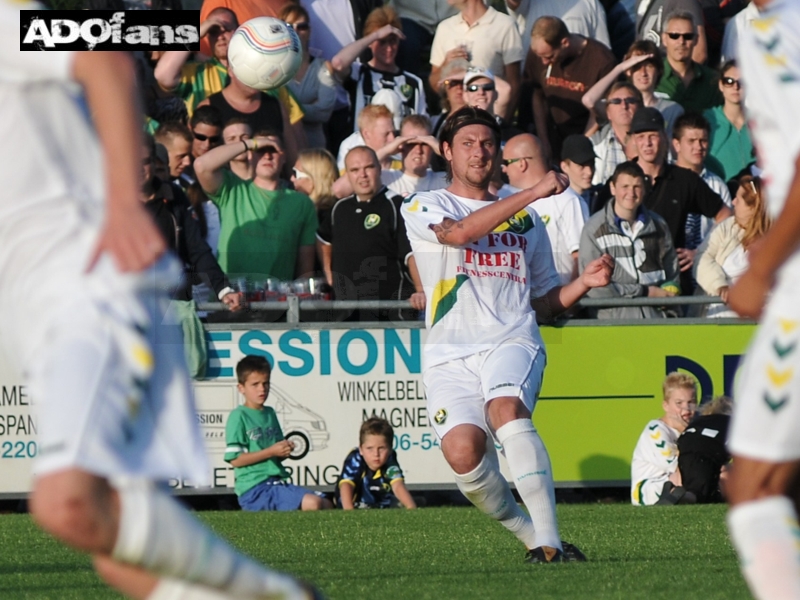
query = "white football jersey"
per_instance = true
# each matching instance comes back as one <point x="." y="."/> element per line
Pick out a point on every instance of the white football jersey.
<point x="769" y="54"/>
<point x="478" y="295"/>
<point x="655" y="458"/>
<point x="563" y="218"/>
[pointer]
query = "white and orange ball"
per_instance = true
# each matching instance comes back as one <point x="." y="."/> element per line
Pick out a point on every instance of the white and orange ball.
<point x="265" y="53"/>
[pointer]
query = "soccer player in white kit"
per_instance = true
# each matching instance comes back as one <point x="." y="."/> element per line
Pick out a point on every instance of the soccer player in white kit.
<point x="84" y="292"/>
<point x="764" y="440"/>
<point x="481" y="260"/>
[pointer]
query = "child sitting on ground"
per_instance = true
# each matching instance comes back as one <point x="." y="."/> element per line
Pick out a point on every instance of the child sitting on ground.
<point x="371" y="477"/>
<point x="655" y="477"/>
<point x="255" y="447"/>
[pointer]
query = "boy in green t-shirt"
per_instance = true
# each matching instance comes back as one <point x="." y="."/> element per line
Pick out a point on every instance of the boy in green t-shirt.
<point x="255" y="447"/>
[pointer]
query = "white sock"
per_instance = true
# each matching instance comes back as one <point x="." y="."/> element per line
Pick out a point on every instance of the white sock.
<point x="486" y="488"/>
<point x="156" y="533"/>
<point x="530" y="466"/>
<point x="174" y="589"/>
<point x="766" y="536"/>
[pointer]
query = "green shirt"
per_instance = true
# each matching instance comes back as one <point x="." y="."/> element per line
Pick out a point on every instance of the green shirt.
<point x="251" y="430"/>
<point x="261" y="231"/>
<point x="702" y="93"/>
<point x="730" y="150"/>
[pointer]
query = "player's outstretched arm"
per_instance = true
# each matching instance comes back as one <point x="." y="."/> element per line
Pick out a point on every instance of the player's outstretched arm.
<point x="748" y="295"/>
<point x="128" y="233"/>
<point x="596" y="274"/>
<point x="483" y="221"/>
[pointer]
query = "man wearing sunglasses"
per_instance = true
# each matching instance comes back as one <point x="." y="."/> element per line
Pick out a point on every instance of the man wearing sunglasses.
<point x="266" y="230"/>
<point x="690" y="84"/>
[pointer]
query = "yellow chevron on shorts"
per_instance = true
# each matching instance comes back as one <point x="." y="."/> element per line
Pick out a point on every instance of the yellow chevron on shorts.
<point x="779" y="378"/>
<point x="787" y="325"/>
<point x="763" y="25"/>
<point x="143" y="357"/>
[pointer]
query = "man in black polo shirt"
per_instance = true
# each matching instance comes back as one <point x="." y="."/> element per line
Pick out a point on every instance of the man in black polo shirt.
<point x="362" y="241"/>
<point x="673" y="192"/>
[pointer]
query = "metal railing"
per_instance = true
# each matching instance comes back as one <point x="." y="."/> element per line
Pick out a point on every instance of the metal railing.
<point x="294" y="305"/>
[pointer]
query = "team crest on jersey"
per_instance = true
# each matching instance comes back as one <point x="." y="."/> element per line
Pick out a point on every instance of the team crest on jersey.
<point x="371" y="221"/>
<point x="519" y="223"/>
<point x="545" y="219"/>
<point x="440" y="417"/>
<point x="407" y="91"/>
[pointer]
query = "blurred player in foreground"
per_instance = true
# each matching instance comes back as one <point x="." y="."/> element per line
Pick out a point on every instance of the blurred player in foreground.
<point x="762" y="488"/>
<point x="481" y="260"/>
<point x="84" y="293"/>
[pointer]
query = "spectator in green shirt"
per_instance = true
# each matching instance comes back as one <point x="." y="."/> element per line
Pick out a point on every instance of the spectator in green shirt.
<point x="266" y="230"/>
<point x="690" y="84"/>
<point x="731" y="149"/>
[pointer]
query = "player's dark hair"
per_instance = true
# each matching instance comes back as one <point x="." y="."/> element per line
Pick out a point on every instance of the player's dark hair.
<point x="627" y="168"/>
<point x="466" y="115"/>
<point x="376" y="426"/>
<point x="209" y="115"/>
<point x="689" y="120"/>
<point x="252" y="364"/>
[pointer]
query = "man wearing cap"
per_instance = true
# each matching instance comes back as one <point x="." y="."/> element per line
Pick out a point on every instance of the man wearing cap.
<point x="561" y="67"/>
<point x="672" y="191"/>
<point x="482" y="90"/>
<point x="577" y="162"/>
<point x="562" y="214"/>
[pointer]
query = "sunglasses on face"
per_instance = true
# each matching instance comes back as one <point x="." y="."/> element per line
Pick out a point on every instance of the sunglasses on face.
<point x="730" y="82"/>
<point x="626" y="101"/>
<point x="454" y="83"/>
<point x="214" y="139"/>
<point x="302" y="26"/>
<point x="687" y="37"/>
<point x="486" y="87"/>
<point x="510" y="161"/>
<point x="298" y="174"/>
<point x="218" y="30"/>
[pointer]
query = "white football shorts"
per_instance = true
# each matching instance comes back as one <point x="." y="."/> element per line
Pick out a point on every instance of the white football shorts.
<point x="459" y="391"/>
<point x="767" y="397"/>
<point x="112" y="396"/>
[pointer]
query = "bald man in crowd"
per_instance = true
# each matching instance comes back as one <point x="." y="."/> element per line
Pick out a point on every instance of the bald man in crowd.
<point x="525" y="165"/>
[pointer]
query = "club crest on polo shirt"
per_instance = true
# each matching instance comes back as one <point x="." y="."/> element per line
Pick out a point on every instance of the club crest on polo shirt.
<point x="440" y="417"/>
<point x="371" y="221"/>
<point x="407" y="91"/>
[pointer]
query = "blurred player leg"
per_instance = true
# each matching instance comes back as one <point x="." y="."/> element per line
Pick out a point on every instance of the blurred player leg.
<point x="764" y="528"/>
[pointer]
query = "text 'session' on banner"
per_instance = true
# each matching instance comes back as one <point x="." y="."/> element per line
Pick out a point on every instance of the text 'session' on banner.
<point x="109" y="30"/>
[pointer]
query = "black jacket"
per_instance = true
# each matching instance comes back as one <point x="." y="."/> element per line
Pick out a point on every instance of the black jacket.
<point x="177" y="222"/>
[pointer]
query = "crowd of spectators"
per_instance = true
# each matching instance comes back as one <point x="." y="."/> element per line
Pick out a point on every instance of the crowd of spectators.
<point x="639" y="102"/>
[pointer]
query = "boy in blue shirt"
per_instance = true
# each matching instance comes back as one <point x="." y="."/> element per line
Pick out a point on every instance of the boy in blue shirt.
<point x="255" y="447"/>
<point x="371" y="476"/>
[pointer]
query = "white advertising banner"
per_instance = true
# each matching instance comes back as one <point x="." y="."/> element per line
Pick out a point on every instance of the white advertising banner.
<point x="325" y="383"/>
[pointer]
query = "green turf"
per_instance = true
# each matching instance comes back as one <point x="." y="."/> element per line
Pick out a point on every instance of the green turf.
<point x="437" y="553"/>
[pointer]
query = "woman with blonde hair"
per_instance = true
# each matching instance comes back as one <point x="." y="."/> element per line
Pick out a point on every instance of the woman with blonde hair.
<point x="723" y="258"/>
<point x="313" y="175"/>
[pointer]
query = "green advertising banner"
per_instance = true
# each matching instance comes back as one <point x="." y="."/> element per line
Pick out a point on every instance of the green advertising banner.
<point x="603" y="384"/>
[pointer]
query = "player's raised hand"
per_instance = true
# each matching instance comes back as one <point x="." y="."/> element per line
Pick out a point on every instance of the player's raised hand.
<point x="551" y="184"/>
<point x="749" y="294"/>
<point x="598" y="272"/>
<point x="130" y="237"/>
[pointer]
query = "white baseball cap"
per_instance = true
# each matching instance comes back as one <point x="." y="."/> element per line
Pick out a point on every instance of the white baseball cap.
<point x="391" y="100"/>
<point x="474" y="73"/>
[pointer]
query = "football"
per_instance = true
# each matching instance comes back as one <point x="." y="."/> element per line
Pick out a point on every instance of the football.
<point x="264" y="53"/>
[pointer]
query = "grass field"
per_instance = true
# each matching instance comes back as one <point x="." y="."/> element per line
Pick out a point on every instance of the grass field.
<point x="437" y="553"/>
